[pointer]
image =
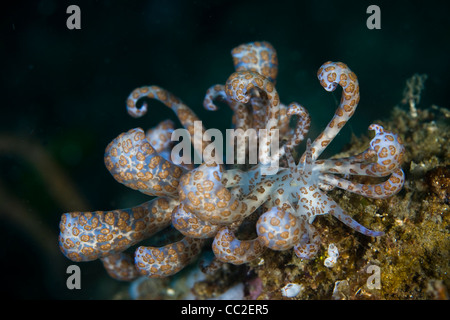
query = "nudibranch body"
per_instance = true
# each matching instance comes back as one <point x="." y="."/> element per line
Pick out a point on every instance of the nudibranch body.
<point x="211" y="201"/>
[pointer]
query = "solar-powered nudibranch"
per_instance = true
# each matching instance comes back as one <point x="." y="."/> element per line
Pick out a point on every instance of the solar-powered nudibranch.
<point x="210" y="201"/>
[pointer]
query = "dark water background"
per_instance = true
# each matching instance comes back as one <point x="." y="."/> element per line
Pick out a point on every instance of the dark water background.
<point x="66" y="90"/>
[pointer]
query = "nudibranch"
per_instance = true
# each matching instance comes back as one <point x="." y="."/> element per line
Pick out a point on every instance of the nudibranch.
<point x="211" y="200"/>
